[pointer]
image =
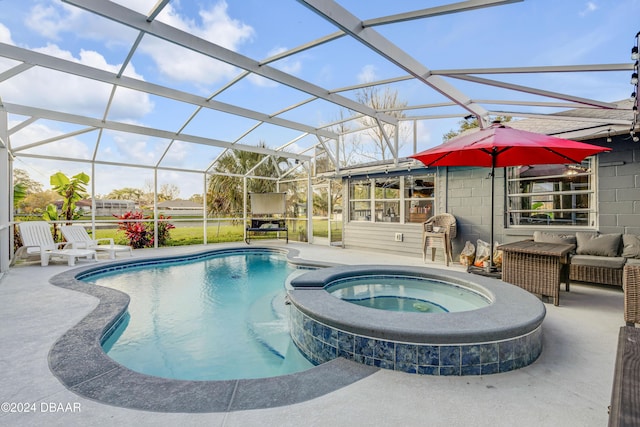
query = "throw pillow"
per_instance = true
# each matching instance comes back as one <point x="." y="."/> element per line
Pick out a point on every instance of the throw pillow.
<point x="630" y="246"/>
<point x="545" y="237"/>
<point x="598" y="244"/>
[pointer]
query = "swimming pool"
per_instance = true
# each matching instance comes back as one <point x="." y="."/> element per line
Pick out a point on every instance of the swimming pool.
<point x="78" y="360"/>
<point x="214" y="318"/>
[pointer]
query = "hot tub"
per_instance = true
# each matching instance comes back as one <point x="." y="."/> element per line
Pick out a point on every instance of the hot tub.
<point x="504" y="335"/>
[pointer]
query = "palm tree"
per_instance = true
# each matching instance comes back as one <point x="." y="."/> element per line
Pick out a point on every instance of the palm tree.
<point x="225" y="189"/>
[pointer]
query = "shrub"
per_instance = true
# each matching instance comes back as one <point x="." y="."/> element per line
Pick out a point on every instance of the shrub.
<point x="140" y="234"/>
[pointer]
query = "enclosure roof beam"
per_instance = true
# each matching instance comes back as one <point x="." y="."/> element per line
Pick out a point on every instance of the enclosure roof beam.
<point x="446" y="9"/>
<point x="534" y="91"/>
<point x="173" y="35"/>
<point x="85" y="71"/>
<point x="141" y="130"/>
<point x="343" y="19"/>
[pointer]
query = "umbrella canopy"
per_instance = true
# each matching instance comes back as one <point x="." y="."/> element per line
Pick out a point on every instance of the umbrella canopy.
<point x="502" y="146"/>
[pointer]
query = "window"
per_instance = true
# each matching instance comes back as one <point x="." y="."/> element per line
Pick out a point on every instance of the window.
<point x="552" y="195"/>
<point x="418" y="197"/>
<point x="360" y="200"/>
<point x="394" y="198"/>
<point x="387" y="199"/>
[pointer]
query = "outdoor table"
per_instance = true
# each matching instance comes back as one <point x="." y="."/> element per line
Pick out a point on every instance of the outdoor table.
<point x="537" y="267"/>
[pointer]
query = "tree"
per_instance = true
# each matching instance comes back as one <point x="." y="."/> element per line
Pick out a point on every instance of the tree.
<point x="37" y="201"/>
<point x="20" y="176"/>
<point x="386" y="102"/>
<point x="127" y="193"/>
<point x="196" y="198"/>
<point x="168" y="192"/>
<point x="19" y="193"/>
<point x="23" y="186"/>
<point x="350" y="147"/>
<point x="470" y="123"/>
<point x="71" y="189"/>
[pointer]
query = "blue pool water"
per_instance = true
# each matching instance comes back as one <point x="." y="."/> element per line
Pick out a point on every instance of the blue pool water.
<point x="221" y="317"/>
<point x="407" y="294"/>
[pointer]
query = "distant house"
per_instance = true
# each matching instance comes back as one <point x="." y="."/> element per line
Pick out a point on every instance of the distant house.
<point x="107" y="207"/>
<point x="104" y="207"/>
<point x="180" y="207"/>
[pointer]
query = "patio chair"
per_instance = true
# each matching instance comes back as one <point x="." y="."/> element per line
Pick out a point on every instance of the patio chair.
<point x="78" y="238"/>
<point x="38" y="242"/>
<point x="437" y="232"/>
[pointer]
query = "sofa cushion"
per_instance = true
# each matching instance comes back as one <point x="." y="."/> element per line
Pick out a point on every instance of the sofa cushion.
<point x="630" y="246"/>
<point x="546" y="237"/>
<point x="615" y="262"/>
<point x="598" y="244"/>
<point x="633" y="261"/>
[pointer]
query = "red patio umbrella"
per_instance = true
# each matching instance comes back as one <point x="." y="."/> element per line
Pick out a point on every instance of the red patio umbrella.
<point x="501" y="146"/>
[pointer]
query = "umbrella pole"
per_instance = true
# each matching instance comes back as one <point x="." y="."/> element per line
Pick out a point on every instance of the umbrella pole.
<point x="493" y="176"/>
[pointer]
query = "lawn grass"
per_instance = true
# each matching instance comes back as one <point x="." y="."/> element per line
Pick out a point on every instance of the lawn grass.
<point x="227" y="231"/>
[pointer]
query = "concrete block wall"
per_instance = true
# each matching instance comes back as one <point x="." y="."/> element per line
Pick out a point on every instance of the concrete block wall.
<point x="469" y="200"/>
<point x="619" y="188"/>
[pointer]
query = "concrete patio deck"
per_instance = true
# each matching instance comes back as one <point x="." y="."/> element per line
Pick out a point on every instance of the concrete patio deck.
<point x="569" y="385"/>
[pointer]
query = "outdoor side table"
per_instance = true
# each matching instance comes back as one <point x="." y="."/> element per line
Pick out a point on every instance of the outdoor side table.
<point x="536" y="267"/>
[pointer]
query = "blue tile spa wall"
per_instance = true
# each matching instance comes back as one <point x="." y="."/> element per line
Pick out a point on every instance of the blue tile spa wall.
<point x="321" y="343"/>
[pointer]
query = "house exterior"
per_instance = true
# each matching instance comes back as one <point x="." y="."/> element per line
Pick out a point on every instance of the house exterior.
<point x="180" y="207"/>
<point x="104" y="207"/>
<point x="385" y="207"/>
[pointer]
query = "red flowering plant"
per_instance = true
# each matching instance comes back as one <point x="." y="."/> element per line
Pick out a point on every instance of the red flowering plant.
<point x="140" y="234"/>
<point x="163" y="230"/>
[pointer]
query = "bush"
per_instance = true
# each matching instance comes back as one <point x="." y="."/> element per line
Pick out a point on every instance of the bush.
<point x="140" y="234"/>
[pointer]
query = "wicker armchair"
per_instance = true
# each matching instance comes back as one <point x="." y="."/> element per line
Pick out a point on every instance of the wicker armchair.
<point x="631" y="286"/>
<point x="437" y="232"/>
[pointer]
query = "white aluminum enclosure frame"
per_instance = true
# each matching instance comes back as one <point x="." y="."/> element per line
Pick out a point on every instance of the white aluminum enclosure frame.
<point x="346" y="25"/>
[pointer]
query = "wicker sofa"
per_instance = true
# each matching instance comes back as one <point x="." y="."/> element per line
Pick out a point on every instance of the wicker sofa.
<point x="598" y="258"/>
<point x="631" y="285"/>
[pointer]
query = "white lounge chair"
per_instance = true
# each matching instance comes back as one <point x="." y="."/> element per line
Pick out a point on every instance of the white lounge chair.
<point x="78" y="238"/>
<point x="38" y="241"/>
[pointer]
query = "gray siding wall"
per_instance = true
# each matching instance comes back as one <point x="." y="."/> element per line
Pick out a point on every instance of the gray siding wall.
<point x="381" y="237"/>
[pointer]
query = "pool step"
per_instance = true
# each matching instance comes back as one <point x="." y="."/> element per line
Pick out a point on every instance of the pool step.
<point x="268" y="322"/>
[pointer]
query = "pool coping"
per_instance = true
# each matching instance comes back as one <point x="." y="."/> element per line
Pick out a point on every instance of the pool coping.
<point x="80" y="364"/>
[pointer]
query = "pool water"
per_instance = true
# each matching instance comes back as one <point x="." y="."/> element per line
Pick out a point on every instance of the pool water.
<point x="217" y="318"/>
<point x="407" y="294"/>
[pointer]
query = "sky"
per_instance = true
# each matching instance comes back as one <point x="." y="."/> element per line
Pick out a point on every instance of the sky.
<point x="528" y="33"/>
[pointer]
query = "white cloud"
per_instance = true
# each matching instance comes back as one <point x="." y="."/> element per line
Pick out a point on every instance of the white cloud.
<point x="39" y="132"/>
<point x="287" y="65"/>
<point x="45" y="88"/>
<point x="180" y="64"/>
<point x="367" y="74"/>
<point x="135" y="149"/>
<point x="589" y="7"/>
<point x="5" y="35"/>
<point x="51" y="19"/>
